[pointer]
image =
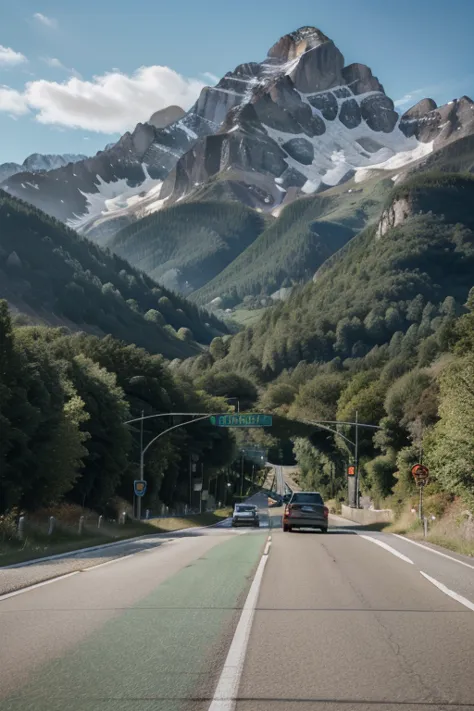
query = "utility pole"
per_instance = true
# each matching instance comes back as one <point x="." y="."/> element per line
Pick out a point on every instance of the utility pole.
<point x="139" y="498"/>
<point x="356" y="463"/>
<point x="202" y="484"/>
<point x="242" y="475"/>
<point x="190" y="482"/>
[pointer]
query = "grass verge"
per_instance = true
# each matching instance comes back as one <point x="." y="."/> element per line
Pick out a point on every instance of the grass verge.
<point x="452" y="528"/>
<point x="38" y="545"/>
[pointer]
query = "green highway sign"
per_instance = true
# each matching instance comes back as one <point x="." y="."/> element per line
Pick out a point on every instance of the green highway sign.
<point x="248" y="420"/>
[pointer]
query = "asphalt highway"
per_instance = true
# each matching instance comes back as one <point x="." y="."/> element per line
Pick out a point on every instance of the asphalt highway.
<point x="221" y="619"/>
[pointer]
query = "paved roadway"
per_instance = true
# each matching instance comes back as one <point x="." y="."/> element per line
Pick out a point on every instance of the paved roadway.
<point x="341" y="621"/>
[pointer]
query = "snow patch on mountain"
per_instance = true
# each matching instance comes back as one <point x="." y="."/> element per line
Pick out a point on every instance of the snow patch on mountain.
<point x="119" y="199"/>
<point x="338" y="153"/>
<point x="399" y="160"/>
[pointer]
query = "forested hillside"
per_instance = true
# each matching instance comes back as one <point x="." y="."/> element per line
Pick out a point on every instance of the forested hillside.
<point x="63" y="403"/>
<point x="187" y="245"/>
<point x="50" y="273"/>
<point x="386" y="329"/>
<point x="372" y="290"/>
<point x="307" y="232"/>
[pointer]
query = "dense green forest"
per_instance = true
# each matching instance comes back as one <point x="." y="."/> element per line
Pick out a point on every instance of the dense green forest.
<point x="307" y="232"/>
<point x="189" y="243"/>
<point x="50" y="273"/>
<point x="64" y="399"/>
<point x="386" y="329"/>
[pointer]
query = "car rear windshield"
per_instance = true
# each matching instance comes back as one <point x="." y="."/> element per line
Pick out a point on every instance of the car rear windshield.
<point x="307" y="499"/>
<point x="242" y="507"/>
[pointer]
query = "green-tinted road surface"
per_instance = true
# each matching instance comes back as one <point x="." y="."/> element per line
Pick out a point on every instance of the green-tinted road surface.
<point x="349" y="621"/>
<point x="161" y="652"/>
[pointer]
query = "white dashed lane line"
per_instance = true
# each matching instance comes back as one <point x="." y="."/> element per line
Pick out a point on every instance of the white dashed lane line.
<point x="386" y="547"/>
<point x="459" y="598"/>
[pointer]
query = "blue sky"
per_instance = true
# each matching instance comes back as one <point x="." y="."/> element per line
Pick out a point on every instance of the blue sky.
<point x="75" y="75"/>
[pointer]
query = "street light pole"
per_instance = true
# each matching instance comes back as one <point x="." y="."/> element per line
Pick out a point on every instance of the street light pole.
<point x="242" y="474"/>
<point x="139" y="498"/>
<point x="356" y="462"/>
<point x="143" y="450"/>
<point x="323" y="424"/>
<point x="190" y="482"/>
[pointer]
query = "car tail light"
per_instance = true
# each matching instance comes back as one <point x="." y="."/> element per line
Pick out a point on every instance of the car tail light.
<point x="326" y="512"/>
<point x="287" y="510"/>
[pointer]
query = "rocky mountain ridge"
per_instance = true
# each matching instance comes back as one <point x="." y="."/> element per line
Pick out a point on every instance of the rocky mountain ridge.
<point x="295" y="124"/>
<point x="38" y="162"/>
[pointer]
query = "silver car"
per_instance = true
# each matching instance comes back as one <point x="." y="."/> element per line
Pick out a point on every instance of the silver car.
<point x="245" y="515"/>
<point x="305" y="509"/>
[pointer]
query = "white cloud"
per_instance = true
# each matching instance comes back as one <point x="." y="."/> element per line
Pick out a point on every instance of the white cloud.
<point x="56" y="63"/>
<point x="111" y="103"/>
<point x="411" y="98"/>
<point x="13" y="102"/>
<point x="10" y="58"/>
<point x="211" y="77"/>
<point x="45" y="20"/>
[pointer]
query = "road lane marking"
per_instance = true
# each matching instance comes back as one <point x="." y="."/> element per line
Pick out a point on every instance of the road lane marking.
<point x="114" y="560"/>
<point x="386" y="547"/>
<point x="459" y="598"/>
<point x="104" y="546"/>
<point x="38" y="585"/>
<point x="267" y="547"/>
<point x="432" y="550"/>
<point x="225" y="695"/>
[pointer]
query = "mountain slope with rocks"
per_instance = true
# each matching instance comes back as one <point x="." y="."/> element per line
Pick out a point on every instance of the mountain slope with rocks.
<point x="298" y="122"/>
<point x="38" y="162"/>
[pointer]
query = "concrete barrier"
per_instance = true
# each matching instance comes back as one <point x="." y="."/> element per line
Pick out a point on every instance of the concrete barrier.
<point x="367" y="516"/>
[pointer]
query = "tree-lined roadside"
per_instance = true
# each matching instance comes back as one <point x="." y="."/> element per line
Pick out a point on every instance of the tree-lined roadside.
<point x="37" y="544"/>
<point x="64" y="399"/>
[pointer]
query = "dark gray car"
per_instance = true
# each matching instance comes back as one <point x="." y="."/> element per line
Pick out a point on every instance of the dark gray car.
<point x="305" y="509"/>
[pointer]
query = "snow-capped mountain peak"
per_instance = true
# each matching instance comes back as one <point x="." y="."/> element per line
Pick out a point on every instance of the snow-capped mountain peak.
<point x="298" y="122"/>
<point x="37" y="162"/>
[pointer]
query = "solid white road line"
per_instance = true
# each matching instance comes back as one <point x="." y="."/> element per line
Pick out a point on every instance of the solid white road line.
<point x="432" y="550"/>
<point x="104" y="546"/>
<point x="227" y="688"/>
<point x="267" y="547"/>
<point x="37" y="585"/>
<point x="459" y="598"/>
<point x="386" y="547"/>
<point x="109" y="562"/>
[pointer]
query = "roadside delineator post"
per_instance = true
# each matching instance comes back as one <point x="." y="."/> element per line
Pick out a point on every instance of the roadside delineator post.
<point x="21" y="528"/>
<point x="52" y="523"/>
<point x="99" y="521"/>
<point x="81" y="524"/>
